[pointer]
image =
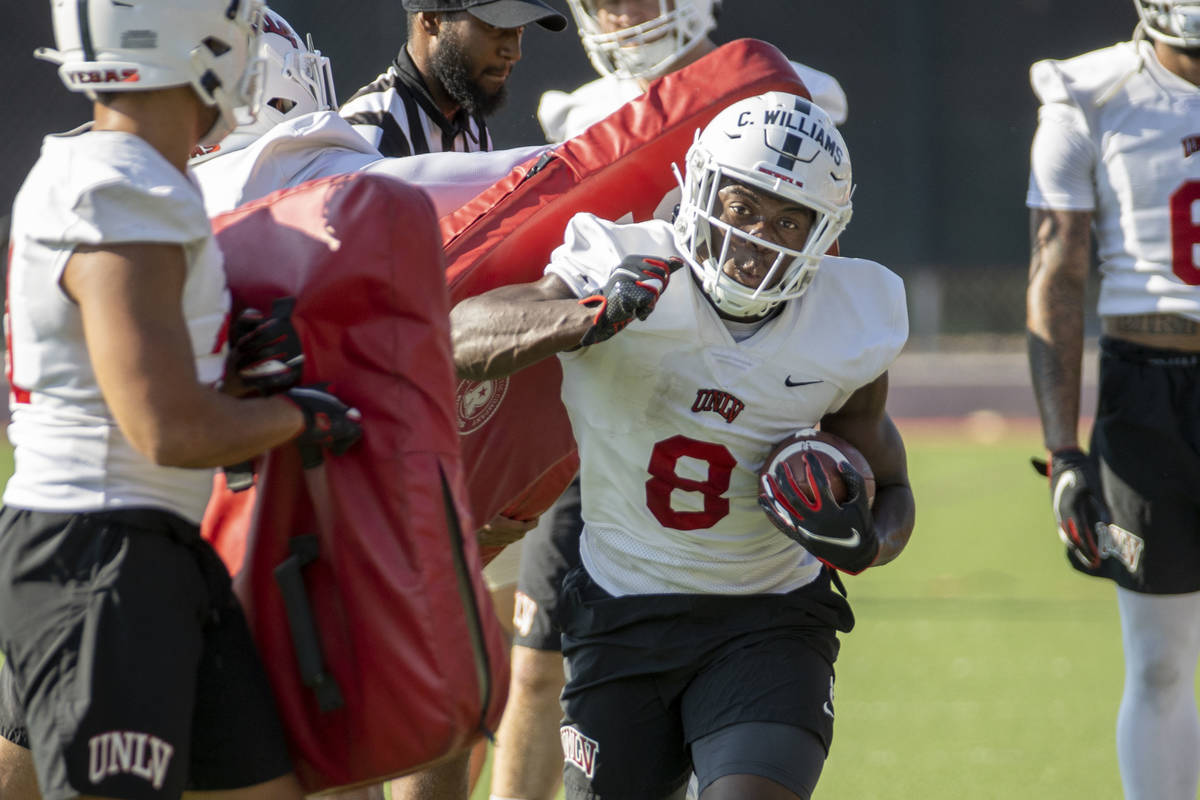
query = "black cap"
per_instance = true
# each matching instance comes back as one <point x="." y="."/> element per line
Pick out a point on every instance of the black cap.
<point x="501" y="13"/>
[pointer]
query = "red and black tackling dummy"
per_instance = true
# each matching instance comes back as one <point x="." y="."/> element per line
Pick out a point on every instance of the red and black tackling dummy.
<point x="361" y="576"/>
<point x="518" y="450"/>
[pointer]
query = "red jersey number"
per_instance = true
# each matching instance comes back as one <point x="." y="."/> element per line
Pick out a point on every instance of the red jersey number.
<point x="664" y="462"/>
<point x="1185" y="233"/>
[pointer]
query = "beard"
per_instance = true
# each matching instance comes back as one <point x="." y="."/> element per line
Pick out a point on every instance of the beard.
<point x="450" y="66"/>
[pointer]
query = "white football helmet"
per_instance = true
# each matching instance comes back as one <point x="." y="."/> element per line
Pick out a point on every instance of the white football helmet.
<point x="297" y="80"/>
<point x="133" y="45"/>
<point x="775" y="142"/>
<point x="1173" y="22"/>
<point x="649" y="49"/>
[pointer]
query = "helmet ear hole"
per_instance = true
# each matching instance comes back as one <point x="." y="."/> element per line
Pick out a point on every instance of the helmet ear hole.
<point x="216" y="46"/>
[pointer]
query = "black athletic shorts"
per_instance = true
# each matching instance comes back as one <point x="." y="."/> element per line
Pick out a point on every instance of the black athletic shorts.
<point x="1147" y="440"/>
<point x="548" y="553"/>
<point x="12" y="719"/>
<point x="131" y="658"/>
<point x="649" y="675"/>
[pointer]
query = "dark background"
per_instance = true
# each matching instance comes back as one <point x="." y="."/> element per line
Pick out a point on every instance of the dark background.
<point x="941" y="115"/>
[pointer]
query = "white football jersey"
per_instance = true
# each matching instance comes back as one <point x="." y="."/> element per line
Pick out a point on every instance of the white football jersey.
<point x="673" y="418"/>
<point x="1119" y="135"/>
<point x="567" y="114"/>
<point x="98" y="188"/>
<point x="323" y="144"/>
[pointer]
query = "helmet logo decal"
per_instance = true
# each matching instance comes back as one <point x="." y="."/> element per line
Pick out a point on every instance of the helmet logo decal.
<point x="271" y="24"/>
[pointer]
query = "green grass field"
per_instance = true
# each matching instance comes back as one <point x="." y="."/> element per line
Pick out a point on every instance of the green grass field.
<point x="982" y="666"/>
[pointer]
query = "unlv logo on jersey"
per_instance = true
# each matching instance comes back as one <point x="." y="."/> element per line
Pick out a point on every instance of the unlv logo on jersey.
<point x="722" y="403"/>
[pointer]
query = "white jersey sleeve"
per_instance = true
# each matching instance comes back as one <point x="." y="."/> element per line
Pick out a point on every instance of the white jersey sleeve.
<point x="825" y="91"/>
<point x="564" y="115"/>
<point x="98" y="188"/>
<point x="308" y="147"/>
<point x="1118" y="135"/>
<point x="674" y="417"/>
<point x="451" y="179"/>
<point x="1062" y="160"/>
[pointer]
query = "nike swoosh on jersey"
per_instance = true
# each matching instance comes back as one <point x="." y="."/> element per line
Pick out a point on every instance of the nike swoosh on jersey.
<point x="788" y="382"/>
<point x="850" y="541"/>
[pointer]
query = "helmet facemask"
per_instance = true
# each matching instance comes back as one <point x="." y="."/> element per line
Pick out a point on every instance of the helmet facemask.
<point x="1173" y="22"/>
<point x="646" y="50"/>
<point x="751" y="160"/>
<point x="237" y="98"/>
<point x="296" y="79"/>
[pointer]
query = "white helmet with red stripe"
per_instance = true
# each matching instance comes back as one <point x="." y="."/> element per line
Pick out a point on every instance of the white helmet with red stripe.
<point x="648" y="49"/>
<point x="779" y="143"/>
<point x="297" y="80"/>
<point x="136" y="45"/>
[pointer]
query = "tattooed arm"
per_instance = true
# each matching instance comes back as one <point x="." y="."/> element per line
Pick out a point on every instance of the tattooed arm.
<point x="1058" y="268"/>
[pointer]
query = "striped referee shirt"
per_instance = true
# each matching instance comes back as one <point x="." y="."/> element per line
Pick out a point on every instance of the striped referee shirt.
<point x="397" y="114"/>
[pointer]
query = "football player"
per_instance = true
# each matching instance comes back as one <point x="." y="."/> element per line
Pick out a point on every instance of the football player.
<point x="127" y="654"/>
<point x="696" y="632"/>
<point x="1117" y="156"/>
<point x="630" y="43"/>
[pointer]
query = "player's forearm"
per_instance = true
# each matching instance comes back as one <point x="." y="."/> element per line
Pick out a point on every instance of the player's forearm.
<point x="1055" y="348"/>
<point x="494" y="338"/>
<point x="1058" y="268"/>
<point x="894" y="514"/>
<point x="211" y="429"/>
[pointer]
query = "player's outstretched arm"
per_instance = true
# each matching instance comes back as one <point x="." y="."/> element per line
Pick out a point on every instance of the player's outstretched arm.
<point x="507" y="329"/>
<point x="863" y="422"/>
<point x="502" y="331"/>
<point x="1058" y="269"/>
<point x="130" y="298"/>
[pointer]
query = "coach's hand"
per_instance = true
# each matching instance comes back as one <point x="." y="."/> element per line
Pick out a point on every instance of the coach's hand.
<point x="841" y="535"/>
<point x="1078" y="504"/>
<point x="266" y="353"/>
<point x="328" y="422"/>
<point x="631" y="291"/>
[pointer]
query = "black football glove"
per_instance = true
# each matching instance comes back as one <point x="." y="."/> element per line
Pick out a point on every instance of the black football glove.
<point x="1078" y="504"/>
<point x="631" y="291"/>
<point x="328" y="422"/>
<point x="842" y="536"/>
<point x="266" y="352"/>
